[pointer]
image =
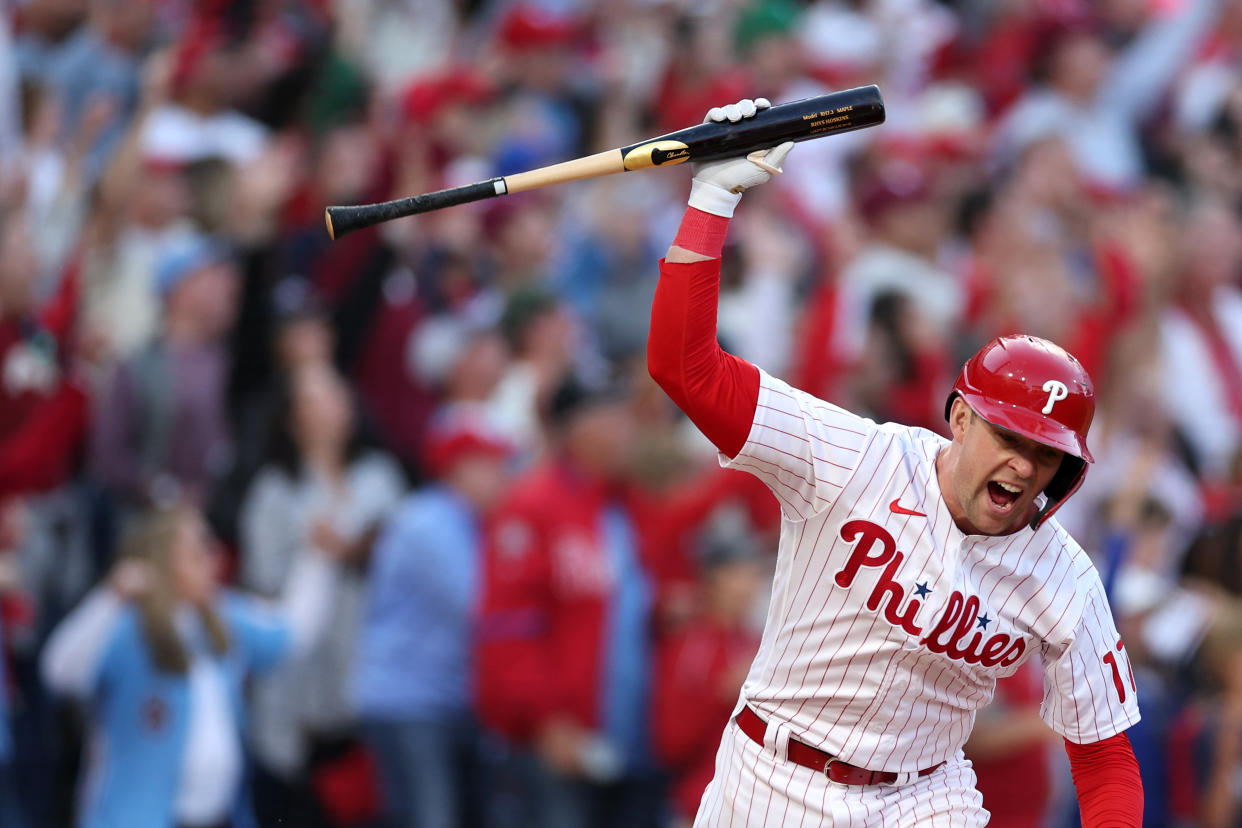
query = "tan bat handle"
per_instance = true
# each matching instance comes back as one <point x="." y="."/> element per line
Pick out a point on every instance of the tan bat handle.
<point x="601" y="163"/>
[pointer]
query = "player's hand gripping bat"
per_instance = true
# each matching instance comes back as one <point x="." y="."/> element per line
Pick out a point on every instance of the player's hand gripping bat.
<point x="801" y="120"/>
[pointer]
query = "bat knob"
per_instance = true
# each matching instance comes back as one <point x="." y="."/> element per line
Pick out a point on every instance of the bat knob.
<point x="327" y="219"/>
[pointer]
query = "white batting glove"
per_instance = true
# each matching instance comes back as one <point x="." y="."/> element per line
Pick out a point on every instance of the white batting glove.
<point x="717" y="186"/>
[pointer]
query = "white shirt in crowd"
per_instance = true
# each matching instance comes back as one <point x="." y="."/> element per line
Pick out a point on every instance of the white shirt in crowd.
<point x="1194" y="394"/>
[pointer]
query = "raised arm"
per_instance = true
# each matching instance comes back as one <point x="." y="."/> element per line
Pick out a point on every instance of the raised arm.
<point x="273" y="631"/>
<point x="716" y="390"/>
<point x="306" y="602"/>
<point x="802" y="448"/>
<point x="74" y="655"/>
<point x="1141" y="75"/>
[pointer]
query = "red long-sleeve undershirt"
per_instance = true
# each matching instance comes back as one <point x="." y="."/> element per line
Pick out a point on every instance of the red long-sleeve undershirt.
<point x="1106" y="777"/>
<point x="717" y="390"/>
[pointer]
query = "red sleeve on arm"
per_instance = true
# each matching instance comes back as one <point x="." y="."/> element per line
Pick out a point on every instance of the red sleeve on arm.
<point x="1106" y="776"/>
<point x="716" y="390"/>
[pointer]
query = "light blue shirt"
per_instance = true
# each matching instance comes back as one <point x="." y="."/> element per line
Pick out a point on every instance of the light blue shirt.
<point x="627" y="660"/>
<point x="415" y="654"/>
<point x="140" y="717"/>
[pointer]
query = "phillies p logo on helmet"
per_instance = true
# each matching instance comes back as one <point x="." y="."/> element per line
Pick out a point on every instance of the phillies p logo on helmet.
<point x="1057" y="391"/>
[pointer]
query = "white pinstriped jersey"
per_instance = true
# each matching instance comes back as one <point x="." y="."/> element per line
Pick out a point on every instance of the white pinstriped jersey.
<point x="888" y="627"/>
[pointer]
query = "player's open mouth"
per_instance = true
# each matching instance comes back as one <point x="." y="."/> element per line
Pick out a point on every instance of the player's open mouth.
<point x="1002" y="495"/>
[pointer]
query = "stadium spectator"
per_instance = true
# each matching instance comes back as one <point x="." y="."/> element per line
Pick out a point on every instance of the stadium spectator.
<point x="601" y="274"/>
<point x="138" y="217"/>
<point x="321" y="489"/>
<point x="43" y="404"/>
<point x="1200" y="340"/>
<point x="1217" y="714"/>
<point x="700" y="670"/>
<point x="698" y="73"/>
<point x="523" y="240"/>
<point x="98" y="65"/>
<point x="45" y="392"/>
<point x="301" y="335"/>
<point x="542" y="337"/>
<point x="161" y="434"/>
<point x="413" y="683"/>
<point x="160" y="653"/>
<point x="209" y="77"/>
<point x="563" y="669"/>
<point x="759" y="302"/>
<point x="1108" y="96"/>
<point x="908" y="224"/>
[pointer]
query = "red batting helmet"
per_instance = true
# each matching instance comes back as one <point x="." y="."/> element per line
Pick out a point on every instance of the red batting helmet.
<point x="1034" y="388"/>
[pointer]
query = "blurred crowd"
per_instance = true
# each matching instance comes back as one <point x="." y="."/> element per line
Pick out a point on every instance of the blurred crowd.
<point x="396" y="531"/>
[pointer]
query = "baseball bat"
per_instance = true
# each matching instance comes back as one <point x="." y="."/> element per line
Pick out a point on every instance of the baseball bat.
<point x="801" y="120"/>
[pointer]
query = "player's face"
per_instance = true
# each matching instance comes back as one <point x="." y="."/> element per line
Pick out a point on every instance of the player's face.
<point x="997" y="474"/>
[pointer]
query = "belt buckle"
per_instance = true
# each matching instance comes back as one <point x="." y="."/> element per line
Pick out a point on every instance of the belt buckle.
<point x="828" y="767"/>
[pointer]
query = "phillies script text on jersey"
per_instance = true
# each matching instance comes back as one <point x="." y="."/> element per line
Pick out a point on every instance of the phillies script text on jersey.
<point x="949" y="635"/>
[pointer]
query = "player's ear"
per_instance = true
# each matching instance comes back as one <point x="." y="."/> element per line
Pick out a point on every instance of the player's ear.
<point x="960" y="416"/>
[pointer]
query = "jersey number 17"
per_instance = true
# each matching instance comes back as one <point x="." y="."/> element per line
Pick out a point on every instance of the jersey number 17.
<point x="1111" y="661"/>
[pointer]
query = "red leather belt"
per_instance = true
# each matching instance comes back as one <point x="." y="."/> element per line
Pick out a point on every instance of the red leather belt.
<point x="817" y="760"/>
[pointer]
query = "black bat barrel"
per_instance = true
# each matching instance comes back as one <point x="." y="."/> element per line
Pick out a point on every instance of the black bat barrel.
<point x="802" y="120"/>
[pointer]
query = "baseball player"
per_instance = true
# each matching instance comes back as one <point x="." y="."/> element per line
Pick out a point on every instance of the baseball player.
<point x="913" y="571"/>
